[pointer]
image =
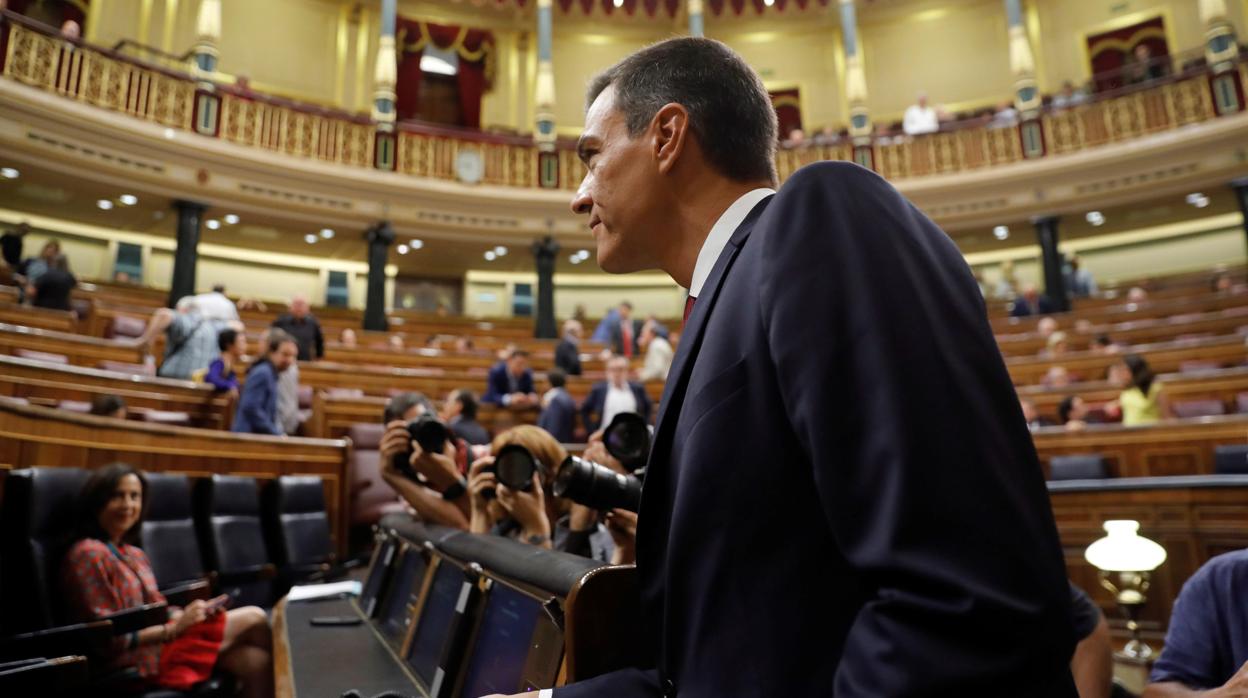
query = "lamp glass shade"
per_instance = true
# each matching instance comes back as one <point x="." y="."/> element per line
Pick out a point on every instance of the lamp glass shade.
<point x="1124" y="550"/>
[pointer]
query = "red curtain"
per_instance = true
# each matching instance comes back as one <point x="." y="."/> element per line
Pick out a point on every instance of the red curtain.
<point x="1111" y="51"/>
<point x="473" y="48"/>
<point x="788" y="105"/>
<point x="628" y="7"/>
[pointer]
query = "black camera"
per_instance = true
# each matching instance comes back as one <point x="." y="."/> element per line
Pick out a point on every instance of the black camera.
<point x="628" y="439"/>
<point x="513" y="467"/>
<point x="430" y="433"/>
<point x="597" y="486"/>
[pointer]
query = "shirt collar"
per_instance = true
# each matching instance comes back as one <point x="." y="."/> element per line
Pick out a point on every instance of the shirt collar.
<point x="721" y="232"/>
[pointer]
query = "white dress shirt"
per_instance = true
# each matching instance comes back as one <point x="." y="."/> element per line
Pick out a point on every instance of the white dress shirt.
<point x="619" y="400"/>
<point x="659" y="354"/>
<point x="920" y="120"/>
<point x="720" y="233"/>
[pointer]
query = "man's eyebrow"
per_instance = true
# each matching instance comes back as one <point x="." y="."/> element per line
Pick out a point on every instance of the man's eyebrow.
<point x="582" y="148"/>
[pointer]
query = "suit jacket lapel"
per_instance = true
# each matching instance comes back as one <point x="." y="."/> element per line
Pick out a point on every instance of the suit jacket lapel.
<point x="691" y="337"/>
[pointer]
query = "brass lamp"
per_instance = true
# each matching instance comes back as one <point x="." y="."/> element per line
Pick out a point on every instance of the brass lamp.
<point x="1126" y="556"/>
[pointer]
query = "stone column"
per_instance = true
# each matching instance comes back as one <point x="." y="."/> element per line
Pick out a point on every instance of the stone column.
<point x="545" y="251"/>
<point x="696" y="25"/>
<point x="1221" y="49"/>
<point x="379" y="237"/>
<point x="856" y="87"/>
<point x="544" y="93"/>
<point x="385" y="73"/>
<point x="1027" y="98"/>
<point x="186" y="256"/>
<point x="207" y="37"/>
<point x="1054" y="279"/>
<point x="1241" y="194"/>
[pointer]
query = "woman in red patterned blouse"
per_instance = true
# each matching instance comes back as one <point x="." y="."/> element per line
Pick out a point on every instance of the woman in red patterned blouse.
<point x="106" y="572"/>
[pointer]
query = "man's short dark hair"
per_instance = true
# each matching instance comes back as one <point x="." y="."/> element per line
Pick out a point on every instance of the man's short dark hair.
<point x="518" y="352"/>
<point x="218" y="288"/>
<point x="1065" y="407"/>
<point x="401" y="403"/>
<point x="557" y="378"/>
<point x="107" y="404"/>
<point x="730" y="112"/>
<point x="467" y="403"/>
<point x="225" y="338"/>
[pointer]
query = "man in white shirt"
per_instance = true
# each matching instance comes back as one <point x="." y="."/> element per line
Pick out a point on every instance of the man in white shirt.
<point x="614" y="396"/>
<point x="659" y="354"/>
<point x="215" y="306"/>
<point x="920" y="118"/>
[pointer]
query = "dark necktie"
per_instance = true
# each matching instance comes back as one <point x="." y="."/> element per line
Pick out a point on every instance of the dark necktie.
<point x="688" y="308"/>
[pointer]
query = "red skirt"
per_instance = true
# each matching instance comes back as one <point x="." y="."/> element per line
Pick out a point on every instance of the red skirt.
<point x="189" y="659"/>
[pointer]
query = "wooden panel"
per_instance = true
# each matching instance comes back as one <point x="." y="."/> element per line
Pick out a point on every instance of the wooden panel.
<point x="61" y="320"/>
<point x="1163" y="357"/>
<point x="1175" y="447"/>
<point x="38" y="436"/>
<point x="1223" y="386"/>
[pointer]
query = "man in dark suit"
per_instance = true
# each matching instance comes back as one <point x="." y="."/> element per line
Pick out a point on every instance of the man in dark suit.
<point x="558" y="408"/>
<point x="613" y="396"/>
<point x="624" y="333"/>
<point x="842" y="498"/>
<point x="510" y="382"/>
<point x="1030" y="302"/>
<point x="567" y="351"/>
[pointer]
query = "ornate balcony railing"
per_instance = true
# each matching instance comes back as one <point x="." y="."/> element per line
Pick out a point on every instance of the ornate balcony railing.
<point x="37" y="55"/>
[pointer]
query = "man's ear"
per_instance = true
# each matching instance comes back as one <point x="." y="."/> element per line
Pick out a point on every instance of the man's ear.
<point x="670" y="129"/>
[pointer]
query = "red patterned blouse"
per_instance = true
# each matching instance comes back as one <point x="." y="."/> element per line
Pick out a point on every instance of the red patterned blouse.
<point x="100" y="580"/>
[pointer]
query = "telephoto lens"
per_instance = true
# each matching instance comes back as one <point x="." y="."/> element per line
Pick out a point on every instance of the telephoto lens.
<point x="429" y="432"/>
<point x="628" y="439"/>
<point x="514" y="467"/>
<point x="597" y="486"/>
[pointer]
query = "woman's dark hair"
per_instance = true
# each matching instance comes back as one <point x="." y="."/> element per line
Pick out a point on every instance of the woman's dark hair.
<point x="95" y="495"/>
<point x="467" y="403"/>
<point x="226" y="338"/>
<point x="1141" y="375"/>
<point x="1065" y="407"/>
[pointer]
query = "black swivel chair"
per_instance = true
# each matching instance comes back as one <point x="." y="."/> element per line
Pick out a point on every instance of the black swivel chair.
<point x="169" y="539"/>
<point x="298" y="530"/>
<point x="227" y="518"/>
<point x="1230" y="459"/>
<point x="1085" y="466"/>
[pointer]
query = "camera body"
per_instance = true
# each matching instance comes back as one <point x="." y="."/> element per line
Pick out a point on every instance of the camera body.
<point x="627" y="438"/>
<point x="430" y="433"/>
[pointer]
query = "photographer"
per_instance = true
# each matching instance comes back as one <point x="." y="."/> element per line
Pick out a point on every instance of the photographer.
<point x="532" y="514"/>
<point x="433" y="483"/>
<point x="621" y="524"/>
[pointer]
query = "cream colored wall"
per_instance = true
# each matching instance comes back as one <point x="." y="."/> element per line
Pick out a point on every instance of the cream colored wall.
<point x="1065" y="24"/>
<point x="580" y="55"/>
<point x="286" y="46"/>
<point x="259" y="280"/>
<point x="88" y="258"/>
<point x="489" y="294"/>
<point x="958" y="54"/>
<point x="803" y="58"/>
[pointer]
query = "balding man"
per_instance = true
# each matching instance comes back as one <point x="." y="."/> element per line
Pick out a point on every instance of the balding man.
<point x="300" y="324"/>
<point x="567" y="352"/>
<point x="842" y="498"/>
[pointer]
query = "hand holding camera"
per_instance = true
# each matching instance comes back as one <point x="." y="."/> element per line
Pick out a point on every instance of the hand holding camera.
<point x="420" y="449"/>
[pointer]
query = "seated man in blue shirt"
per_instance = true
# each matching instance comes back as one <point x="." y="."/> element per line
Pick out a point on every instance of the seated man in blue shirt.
<point x="1206" y="652"/>
<point x="510" y="382"/>
<point x="257" y="406"/>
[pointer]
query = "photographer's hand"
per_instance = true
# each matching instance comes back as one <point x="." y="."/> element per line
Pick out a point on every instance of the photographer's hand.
<point x="438" y="468"/>
<point x="528" y="509"/>
<point x="622" y="525"/>
<point x="395" y="440"/>
<point x="480" y="479"/>
<point x="597" y="452"/>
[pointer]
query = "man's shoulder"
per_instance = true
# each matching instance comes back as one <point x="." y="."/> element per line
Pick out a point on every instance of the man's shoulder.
<point x="1225" y="571"/>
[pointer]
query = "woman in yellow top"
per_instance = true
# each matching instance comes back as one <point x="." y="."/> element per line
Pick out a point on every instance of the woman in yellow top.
<point x="1141" y="401"/>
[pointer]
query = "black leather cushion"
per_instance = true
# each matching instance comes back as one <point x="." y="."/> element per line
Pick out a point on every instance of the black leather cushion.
<point x="299" y="521"/>
<point x="169" y="530"/>
<point x="1230" y="459"/>
<point x="231" y="533"/>
<point x="1079" y="467"/>
<point x="36" y="523"/>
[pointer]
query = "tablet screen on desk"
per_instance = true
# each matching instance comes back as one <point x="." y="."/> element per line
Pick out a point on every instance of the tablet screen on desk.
<point x="408" y="576"/>
<point x="377" y="576"/>
<point x="503" y="640"/>
<point x="435" y="621"/>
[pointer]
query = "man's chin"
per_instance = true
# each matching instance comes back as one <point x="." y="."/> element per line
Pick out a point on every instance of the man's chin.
<point x="615" y="264"/>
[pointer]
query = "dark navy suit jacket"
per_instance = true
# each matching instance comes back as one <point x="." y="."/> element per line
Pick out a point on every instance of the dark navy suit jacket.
<point x="591" y="409"/>
<point x="842" y="497"/>
<point x="257" y="405"/>
<point x="498" y="384"/>
<point x="559" y="417"/>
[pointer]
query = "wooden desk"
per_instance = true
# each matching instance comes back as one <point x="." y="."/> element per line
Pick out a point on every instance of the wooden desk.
<point x="1172" y="447"/>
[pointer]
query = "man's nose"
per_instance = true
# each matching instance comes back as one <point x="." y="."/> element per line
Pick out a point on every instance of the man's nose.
<point x="582" y="202"/>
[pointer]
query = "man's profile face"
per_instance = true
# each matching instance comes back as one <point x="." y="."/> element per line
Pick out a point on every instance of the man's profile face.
<point x="284" y="356"/>
<point x="620" y="190"/>
<point x="517" y="364"/>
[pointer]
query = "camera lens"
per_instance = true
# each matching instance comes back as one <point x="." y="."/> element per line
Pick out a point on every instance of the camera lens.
<point x="429" y="432"/>
<point x="628" y="439"/>
<point x="514" y="466"/>
<point x="597" y="486"/>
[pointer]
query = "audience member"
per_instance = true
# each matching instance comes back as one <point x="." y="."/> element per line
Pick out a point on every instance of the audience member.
<point x="602" y="333"/>
<point x="347" y="338"/>
<point x="300" y="324"/>
<point x="796" y="139"/>
<point x="122" y="277"/>
<point x="567" y="352"/>
<point x="1030" y="302"/>
<point x="827" y="136"/>
<point x="1056" y="377"/>
<point x="534" y="516"/>
<point x="510" y="382"/>
<point x="11" y="245"/>
<point x="1102" y="344"/>
<point x="1046" y="327"/>
<point x="221" y="373"/>
<point x="1206" y="650"/>
<point x="70" y="29"/>
<point x="558" y="408"/>
<point x="1057" y="345"/>
<point x="1072" y="413"/>
<point x="214" y="305"/>
<point x="1031" y="415"/>
<point x="34" y="267"/>
<point x="460" y="414"/>
<point x="106" y="572"/>
<point x="109" y="406"/>
<point x="920" y="117"/>
<point x="1005" y="116"/>
<point x="624" y="333"/>
<point x="659" y="354"/>
<point x="615" y="395"/>
<point x="190" y="339"/>
<point x="463" y="345"/>
<point x="257" y="406"/>
<point x="1069" y="97"/>
<point x="1144" y="68"/>
<point x="1136" y="294"/>
<point x="433" y="484"/>
<point x="54" y="286"/>
<point x="1221" y="283"/>
<point x="1007" y="285"/>
<point x="1141" y="402"/>
<point x="1079" y="282"/>
<point x="289" y="415"/>
<point x="579" y="314"/>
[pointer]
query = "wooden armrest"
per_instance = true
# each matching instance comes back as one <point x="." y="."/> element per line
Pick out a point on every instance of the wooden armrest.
<point x="183" y="594"/>
<point x="243" y="576"/>
<point x="135" y="619"/>
<point x="80" y="638"/>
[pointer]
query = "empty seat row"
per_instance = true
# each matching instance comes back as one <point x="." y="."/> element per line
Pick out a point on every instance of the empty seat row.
<point x="1228" y="459"/>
